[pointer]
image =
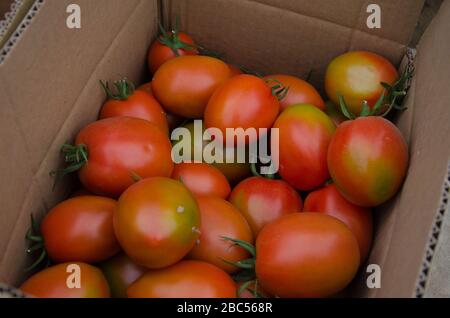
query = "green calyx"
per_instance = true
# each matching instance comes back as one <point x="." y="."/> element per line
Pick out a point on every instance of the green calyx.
<point x="255" y="172"/>
<point x="172" y="40"/>
<point x="36" y="246"/>
<point x="278" y="90"/>
<point x="124" y="88"/>
<point x="390" y="98"/>
<point x="75" y="158"/>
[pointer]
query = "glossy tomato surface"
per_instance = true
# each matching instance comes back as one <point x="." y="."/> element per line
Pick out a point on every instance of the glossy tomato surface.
<point x="263" y="201"/>
<point x="157" y="222"/>
<point x="139" y="105"/>
<point x="368" y="159"/>
<point x="300" y="91"/>
<point x="220" y="219"/>
<point x="120" y="272"/>
<point x="304" y="134"/>
<point x="159" y="53"/>
<point x="357" y="76"/>
<point x="202" y="179"/>
<point x="186" y="279"/>
<point x="306" y="255"/>
<point x="328" y="200"/>
<point x="184" y="84"/>
<point x="119" y="148"/>
<point x="52" y="282"/>
<point x="244" y="101"/>
<point x="80" y="229"/>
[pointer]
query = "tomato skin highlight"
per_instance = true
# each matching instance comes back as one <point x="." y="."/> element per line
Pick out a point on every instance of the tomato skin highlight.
<point x="304" y="134"/>
<point x="184" y="84"/>
<point x="159" y="53"/>
<point x="306" y="255"/>
<point x="80" y="229"/>
<point x="225" y="107"/>
<point x="368" y="159"/>
<point x="52" y="283"/>
<point x="328" y="200"/>
<point x="119" y="147"/>
<point x="357" y="76"/>
<point x="220" y="219"/>
<point x="202" y="179"/>
<point x="157" y="222"/>
<point x="263" y="201"/>
<point x="186" y="279"/>
<point x="300" y="91"/>
<point x="120" y="272"/>
<point x="138" y="105"/>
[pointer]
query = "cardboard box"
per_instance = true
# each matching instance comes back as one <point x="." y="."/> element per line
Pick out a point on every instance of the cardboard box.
<point x="49" y="90"/>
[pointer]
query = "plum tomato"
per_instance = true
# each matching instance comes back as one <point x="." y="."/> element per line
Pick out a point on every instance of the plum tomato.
<point x="157" y="222"/>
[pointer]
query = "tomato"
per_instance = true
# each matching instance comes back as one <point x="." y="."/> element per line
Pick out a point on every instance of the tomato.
<point x="134" y="103"/>
<point x="234" y="70"/>
<point x="80" y="229"/>
<point x="244" y="101"/>
<point x="157" y="222"/>
<point x="357" y="76"/>
<point x="300" y="91"/>
<point x="306" y="255"/>
<point x="304" y="134"/>
<point x="184" y="85"/>
<point x="328" y="200"/>
<point x="262" y="201"/>
<point x="186" y="279"/>
<point x="202" y="179"/>
<point x="368" y="159"/>
<point x="220" y="219"/>
<point x="120" y="272"/>
<point x="52" y="282"/>
<point x="118" y="148"/>
<point x="168" y="46"/>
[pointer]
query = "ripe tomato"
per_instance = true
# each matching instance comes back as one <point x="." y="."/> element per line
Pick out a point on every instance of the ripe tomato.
<point x="134" y="103"/>
<point x="305" y="132"/>
<point x="300" y="91"/>
<point x="80" y="229"/>
<point x="117" y="149"/>
<point x="220" y="219"/>
<point x="368" y="159"/>
<point x="184" y="85"/>
<point x="263" y="201"/>
<point x="186" y="279"/>
<point x="157" y="222"/>
<point x="306" y="255"/>
<point x="52" y="282"/>
<point x="357" y="76"/>
<point x="234" y="70"/>
<point x="168" y="46"/>
<point x="120" y="272"/>
<point x="328" y="200"/>
<point x="202" y="179"/>
<point x="244" y="101"/>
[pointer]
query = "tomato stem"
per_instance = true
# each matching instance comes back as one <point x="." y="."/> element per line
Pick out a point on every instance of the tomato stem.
<point x="124" y="89"/>
<point x="37" y="244"/>
<point x="75" y="157"/>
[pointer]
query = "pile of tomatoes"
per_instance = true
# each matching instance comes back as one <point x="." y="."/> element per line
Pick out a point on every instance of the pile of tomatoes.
<point x="142" y="226"/>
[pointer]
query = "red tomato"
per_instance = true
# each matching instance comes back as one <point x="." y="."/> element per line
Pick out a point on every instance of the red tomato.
<point x="157" y="222"/>
<point x="202" y="179"/>
<point x="120" y="272"/>
<point x="234" y="70"/>
<point x="328" y="200"/>
<point x="263" y="201"/>
<point x="80" y="229"/>
<point x="368" y="159"/>
<point x="244" y="101"/>
<point x="52" y="282"/>
<point x="305" y="132"/>
<point x="186" y="279"/>
<point x="357" y="76"/>
<point x="220" y="219"/>
<point x="300" y="91"/>
<point x="306" y="255"/>
<point x="184" y="85"/>
<point x="164" y="48"/>
<point x="120" y="147"/>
